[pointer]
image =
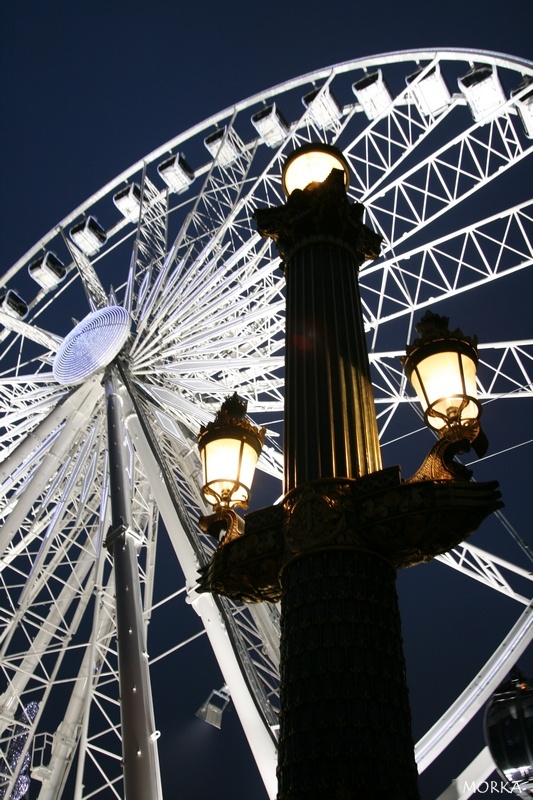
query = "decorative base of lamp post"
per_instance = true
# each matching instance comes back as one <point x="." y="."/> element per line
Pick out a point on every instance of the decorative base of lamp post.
<point x="345" y="730"/>
<point x="406" y="522"/>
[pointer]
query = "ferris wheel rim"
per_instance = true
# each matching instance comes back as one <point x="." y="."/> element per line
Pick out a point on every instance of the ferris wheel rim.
<point x="447" y="53"/>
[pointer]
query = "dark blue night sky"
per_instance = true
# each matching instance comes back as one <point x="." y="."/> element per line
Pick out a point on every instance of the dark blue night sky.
<point x="89" y="88"/>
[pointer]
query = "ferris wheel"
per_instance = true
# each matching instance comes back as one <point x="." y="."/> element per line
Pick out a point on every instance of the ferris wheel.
<point x="178" y="301"/>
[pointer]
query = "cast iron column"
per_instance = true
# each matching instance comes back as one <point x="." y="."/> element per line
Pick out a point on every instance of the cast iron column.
<point x="345" y="720"/>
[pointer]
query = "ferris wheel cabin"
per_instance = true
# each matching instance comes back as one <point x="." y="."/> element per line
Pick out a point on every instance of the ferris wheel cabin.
<point x="509" y="731"/>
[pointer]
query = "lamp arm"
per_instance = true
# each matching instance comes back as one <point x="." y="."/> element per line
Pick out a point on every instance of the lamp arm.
<point x="440" y="463"/>
<point x="224" y="525"/>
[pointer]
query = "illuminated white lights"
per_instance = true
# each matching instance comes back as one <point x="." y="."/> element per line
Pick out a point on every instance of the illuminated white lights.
<point x="430" y="92"/>
<point x="483" y="91"/>
<point x="92" y="345"/>
<point x="373" y="94"/>
<point x="176" y="173"/>
<point x="47" y="270"/>
<point x="270" y="125"/>
<point x="323" y="108"/>
<point x="224" y="145"/>
<point x="88" y="235"/>
<point x="128" y="202"/>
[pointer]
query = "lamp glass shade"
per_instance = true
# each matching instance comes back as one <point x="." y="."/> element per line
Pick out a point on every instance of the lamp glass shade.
<point x="312" y="164"/>
<point x="228" y="467"/>
<point x="445" y="383"/>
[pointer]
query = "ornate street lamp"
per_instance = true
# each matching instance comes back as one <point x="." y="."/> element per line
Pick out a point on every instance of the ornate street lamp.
<point x="329" y="551"/>
<point x="229" y="448"/>
<point x="442" y="365"/>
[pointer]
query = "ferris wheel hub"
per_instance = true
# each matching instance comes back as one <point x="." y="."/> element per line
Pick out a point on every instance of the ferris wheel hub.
<point x="92" y="345"/>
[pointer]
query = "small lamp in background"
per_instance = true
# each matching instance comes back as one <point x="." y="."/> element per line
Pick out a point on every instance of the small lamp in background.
<point x="441" y="365"/>
<point x="229" y="448"/>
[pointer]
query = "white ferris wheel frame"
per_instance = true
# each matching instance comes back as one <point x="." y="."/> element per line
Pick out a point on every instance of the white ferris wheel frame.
<point x="54" y="443"/>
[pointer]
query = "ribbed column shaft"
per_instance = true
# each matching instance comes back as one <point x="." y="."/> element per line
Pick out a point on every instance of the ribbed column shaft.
<point x="345" y="720"/>
<point x="330" y="421"/>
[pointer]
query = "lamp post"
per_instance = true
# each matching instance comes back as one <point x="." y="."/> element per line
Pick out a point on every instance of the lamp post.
<point x="329" y="551"/>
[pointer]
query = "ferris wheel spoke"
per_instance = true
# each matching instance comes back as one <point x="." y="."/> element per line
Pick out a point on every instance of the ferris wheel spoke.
<point x="31" y="673"/>
<point x="506" y="370"/>
<point x="48" y="340"/>
<point x="75" y="724"/>
<point x="218" y="198"/>
<point x="487" y="569"/>
<point x="395" y="132"/>
<point x="56" y="543"/>
<point x="31" y="437"/>
<point x="151" y="242"/>
<point x="53" y="457"/>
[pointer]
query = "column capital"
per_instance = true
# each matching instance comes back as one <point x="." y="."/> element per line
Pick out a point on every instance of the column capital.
<point x="320" y="213"/>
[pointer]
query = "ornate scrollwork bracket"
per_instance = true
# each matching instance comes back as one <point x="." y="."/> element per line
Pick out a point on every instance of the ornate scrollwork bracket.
<point x="224" y="525"/>
<point x="440" y="463"/>
<point x="406" y="522"/>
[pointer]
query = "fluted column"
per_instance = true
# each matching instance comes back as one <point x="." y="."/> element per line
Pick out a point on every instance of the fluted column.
<point x="330" y="423"/>
<point x="345" y="722"/>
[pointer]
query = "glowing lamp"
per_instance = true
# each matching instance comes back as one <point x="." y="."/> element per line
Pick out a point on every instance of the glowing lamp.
<point x="312" y="164"/>
<point x="229" y="448"/>
<point x="441" y="366"/>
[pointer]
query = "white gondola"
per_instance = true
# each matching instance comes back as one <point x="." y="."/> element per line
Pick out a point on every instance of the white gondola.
<point x="271" y="125"/>
<point x="224" y="145"/>
<point x="524" y="105"/>
<point x="12" y="304"/>
<point x="483" y="91"/>
<point x="47" y="270"/>
<point x="373" y="94"/>
<point x="88" y="235"/>
<point x="128" y="201"/>
<point x="430" y="92"/>
<point x="176" y="173"/>
<point x="324" y="109"/>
